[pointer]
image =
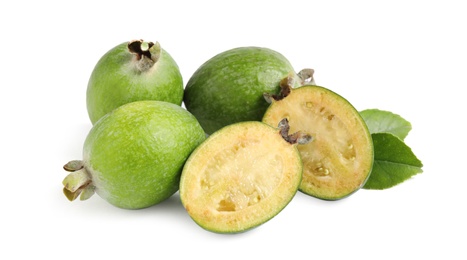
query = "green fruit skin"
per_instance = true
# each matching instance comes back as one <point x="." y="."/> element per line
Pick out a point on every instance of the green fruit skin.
<point x="229" y="87"/>
<point x="115" y="81"/>
<point x="136" y="153"/>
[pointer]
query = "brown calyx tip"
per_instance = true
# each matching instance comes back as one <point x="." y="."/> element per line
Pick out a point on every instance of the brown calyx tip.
<point x="286" y="87"/>
<point x="295" y="138"/>
<point x="146" y="54"/>
<point x="140" y="48"/>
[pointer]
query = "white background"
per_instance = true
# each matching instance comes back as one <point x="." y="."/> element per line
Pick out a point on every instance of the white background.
<point x="408" y="57"/>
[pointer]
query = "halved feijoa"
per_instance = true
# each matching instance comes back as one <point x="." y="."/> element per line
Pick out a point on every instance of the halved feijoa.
<point x="339" y="160"/>
<point x="241" y="176"/>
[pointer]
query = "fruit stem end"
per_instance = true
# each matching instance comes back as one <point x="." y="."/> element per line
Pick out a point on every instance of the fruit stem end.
<point x="146" y="53"/>
<point x="78" y="182"/>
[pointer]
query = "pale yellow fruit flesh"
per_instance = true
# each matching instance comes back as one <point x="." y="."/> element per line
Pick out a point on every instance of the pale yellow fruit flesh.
<point x="339" y="160"/>
<point x="240" y="177"/>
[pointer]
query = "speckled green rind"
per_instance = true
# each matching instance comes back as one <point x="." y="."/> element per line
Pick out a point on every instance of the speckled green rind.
<point x="115" y="81"/>
<point x="229" y="87"/>
<point x="135" y="154"/>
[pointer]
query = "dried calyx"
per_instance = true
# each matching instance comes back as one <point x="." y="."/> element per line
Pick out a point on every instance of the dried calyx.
<point x="146" y="53"/>
<point x="295" y="138"/>
<point x="78" y="182"/>
<point x="306" y="78"/>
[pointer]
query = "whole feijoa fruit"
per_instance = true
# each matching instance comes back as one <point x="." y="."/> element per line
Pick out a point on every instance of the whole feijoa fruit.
<point x="340" y="159"/>
<point x="132" y="71"/>
<point x="229" y="87"/>
<point x="134" y="155"/>
<point x="242" y="176"/>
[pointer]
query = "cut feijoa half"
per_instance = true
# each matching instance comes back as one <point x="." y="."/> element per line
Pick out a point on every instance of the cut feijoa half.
<point x="339" y="160"/>
<point x="242" y="176"/>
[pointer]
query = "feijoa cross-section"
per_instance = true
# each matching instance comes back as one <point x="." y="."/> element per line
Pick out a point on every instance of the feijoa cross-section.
<point x="339" y="160"/>
<point x="242" y="176"/>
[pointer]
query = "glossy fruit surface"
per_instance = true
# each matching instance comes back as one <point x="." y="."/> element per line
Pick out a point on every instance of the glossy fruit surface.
<point x="229" y="87"/>
<point x="133" y="71"/>
<point x="133" y="156"/>
<point x="241" y="176"/>
<point x="339" y="160"/>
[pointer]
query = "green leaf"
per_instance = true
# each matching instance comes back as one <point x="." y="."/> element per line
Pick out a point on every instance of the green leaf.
<point x="394" y="162"/>
<point x="380" y="121"/>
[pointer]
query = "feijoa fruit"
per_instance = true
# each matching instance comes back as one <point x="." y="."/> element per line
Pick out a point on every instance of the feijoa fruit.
<point x="229" y="87"/>
<point x="132" y="71"/>
<point x="134" y="155"/>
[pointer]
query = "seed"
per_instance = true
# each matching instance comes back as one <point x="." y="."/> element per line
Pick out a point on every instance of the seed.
<point x="322" y="170"/>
